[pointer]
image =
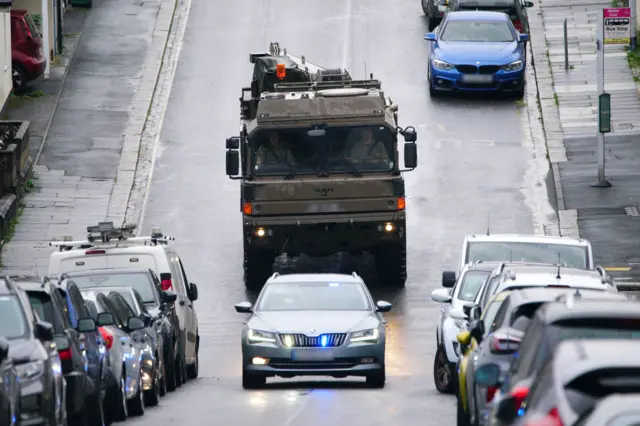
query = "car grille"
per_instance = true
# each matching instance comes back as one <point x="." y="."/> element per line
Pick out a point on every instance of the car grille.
<point x="302" y="341"/>
<point x="467" y="69"/>
<point x="489" y="69"/>
<point x="287" y="364"/>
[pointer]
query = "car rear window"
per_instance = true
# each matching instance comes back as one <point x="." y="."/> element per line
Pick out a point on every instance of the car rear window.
<point x="33" y="28"/>
<point x="585" y="391"/>
<point x="41" y="303"/>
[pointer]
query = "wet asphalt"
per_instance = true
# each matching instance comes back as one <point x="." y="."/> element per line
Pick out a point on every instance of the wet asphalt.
<point x="473" y="163"/>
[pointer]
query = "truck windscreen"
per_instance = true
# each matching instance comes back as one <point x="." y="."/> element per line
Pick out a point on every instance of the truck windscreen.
<point x="350" y="149"/>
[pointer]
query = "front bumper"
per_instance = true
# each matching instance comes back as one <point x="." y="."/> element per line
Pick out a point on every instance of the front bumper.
<point x="322" y="235"/>
<point x="33" y="409"/>
<point x="454" y="80"/>
<point x="355" y="359"/>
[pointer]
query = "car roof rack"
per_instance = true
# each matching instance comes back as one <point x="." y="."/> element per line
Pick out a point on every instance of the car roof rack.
<point x="106" y="233"/>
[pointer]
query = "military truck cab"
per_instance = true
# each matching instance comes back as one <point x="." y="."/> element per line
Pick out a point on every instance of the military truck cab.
<point x="318" y="161"/>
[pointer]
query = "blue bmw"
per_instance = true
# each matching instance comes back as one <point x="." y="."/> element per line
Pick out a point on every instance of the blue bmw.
<point x="477" y="51"/>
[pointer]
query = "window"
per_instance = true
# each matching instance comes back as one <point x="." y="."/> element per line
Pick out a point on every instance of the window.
<point x="118" y="314"/>
<point x="138" y="281"/>
<point x="542" y="390"/>
<point x="314" y="297"/>
<point x="176" y="274"/>
<point x="528" y="349"/>
<point x="626" y="419"/>
<point x="500" y="315"/>
<point x="141" y="305"/>
<point x="489" y="290"/>
<point x="78" y="301"/>
<point x="571" y="256"/>
<point x="471" y="285"/>
<point x="13" y="323"/>
<point x="490" y="314"/>
<point x="41" y="303"/>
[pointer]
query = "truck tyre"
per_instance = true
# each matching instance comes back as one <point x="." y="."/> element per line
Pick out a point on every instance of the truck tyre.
<point x="391" y="264"/>
<point x="258" y="267"/>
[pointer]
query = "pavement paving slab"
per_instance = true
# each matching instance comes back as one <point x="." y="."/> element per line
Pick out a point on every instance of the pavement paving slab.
<point x="85" y="130"/>
<point x="605" y="216"/>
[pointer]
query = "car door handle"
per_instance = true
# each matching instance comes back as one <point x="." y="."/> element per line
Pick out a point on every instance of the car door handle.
<point x="190" y="305"/>
<point x="182" y="303"/>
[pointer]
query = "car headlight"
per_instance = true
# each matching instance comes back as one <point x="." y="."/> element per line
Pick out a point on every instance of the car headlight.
<point x="255" y="336"/>
<point x="513" y="66"/>
<point x="30" y="370"/>
<point x="370" y="336"/>
<point x="442" y="65"/>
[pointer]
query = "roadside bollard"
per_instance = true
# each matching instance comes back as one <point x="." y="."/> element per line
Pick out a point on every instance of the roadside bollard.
<point x="566" y="46"/>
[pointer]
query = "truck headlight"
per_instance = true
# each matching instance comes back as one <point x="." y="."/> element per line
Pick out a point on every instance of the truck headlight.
<point x="31" y="370"/>
<point x="368" y="336"/>
<point x="255" y="336"/>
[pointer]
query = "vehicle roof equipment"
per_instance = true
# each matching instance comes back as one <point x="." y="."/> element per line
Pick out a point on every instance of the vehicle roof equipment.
<point x="106" y="233"/>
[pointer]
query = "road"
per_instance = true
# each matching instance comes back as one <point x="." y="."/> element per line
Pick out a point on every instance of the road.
<point x="475" y="160"/>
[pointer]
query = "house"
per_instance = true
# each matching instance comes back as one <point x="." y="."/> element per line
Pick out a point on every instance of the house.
<point x="6" y="84"/>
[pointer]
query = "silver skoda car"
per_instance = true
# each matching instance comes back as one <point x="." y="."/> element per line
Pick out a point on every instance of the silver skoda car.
<point x="313" y="325"/>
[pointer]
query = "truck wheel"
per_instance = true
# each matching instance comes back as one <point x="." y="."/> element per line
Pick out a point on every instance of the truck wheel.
<point x="258" y="267"/>
<point x="391" y="264"/>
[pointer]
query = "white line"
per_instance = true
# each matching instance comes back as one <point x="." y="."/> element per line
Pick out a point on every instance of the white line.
<point x="347" y="35"/>
<point x="160" y="124"/>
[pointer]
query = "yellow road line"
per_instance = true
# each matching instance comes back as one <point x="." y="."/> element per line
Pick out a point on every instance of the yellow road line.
<point x="617" y="268"/>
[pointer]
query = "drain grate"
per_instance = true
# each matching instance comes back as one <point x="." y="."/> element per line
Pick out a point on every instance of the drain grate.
<point x="632" y="211"/>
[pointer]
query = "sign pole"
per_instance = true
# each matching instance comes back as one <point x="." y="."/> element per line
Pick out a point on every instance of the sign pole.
<point x="633" y="42"/>
<point x="602" y="181"/>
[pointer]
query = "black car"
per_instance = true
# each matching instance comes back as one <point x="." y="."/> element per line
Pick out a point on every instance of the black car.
<point x="159" y="305"/>
<point x="606" y="315"/>
<point x="581" y="373"/>
<point x="35" y="357"/>
<point x="9" y="387"/>
<point x="46" y="300"/>
<point x="516" y="9"/>
<point x="93" y="345"/>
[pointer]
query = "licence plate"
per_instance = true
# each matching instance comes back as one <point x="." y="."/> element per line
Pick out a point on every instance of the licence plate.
<point x="473" y="78"/>
<point x="312" y="355"/>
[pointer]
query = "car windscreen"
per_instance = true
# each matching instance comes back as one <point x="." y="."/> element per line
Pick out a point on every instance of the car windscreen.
<point x="43" y="306"/>
<point x="314" y="297"/>
<point x="477" y="31"/>
<point x="138" y="281"/>
<point x="13" y="324"/>
<point x="517" y="251"/>
<point x="471" y="284"/>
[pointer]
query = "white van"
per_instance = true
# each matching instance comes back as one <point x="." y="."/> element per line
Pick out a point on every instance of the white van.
<point x="109" y="248"/>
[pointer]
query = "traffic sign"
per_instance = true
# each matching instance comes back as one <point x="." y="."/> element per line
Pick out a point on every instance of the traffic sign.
<point x="617" y="25"/>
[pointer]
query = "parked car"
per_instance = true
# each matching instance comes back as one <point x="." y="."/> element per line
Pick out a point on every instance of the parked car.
<point x="129" y="302"/>
<point x="10" y="389"/>
<point x="159" y="304"/>
<point x="581" y="373"/>
<point x="92" y="344"/>
<point x="552" y="324"/>
<point x="34" y="354"/>
<point x="515" y="9"/>
<point x="453" y="296"/>
<point x="434" y="11"/>
<point x="613" y="410"/>
<point x="125" y="359"/>
<point x="28" y="60"/>
<point x="132" y="252"/>
<point x="49" y="304"/>
<point x="492" y="342"/>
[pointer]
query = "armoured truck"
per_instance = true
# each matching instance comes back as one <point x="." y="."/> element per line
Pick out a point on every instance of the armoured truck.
<point x="318" y="161"/>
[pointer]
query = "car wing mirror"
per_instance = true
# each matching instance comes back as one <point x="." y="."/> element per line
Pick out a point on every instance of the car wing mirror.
<point x="244" y="308"/>
<point x="193" y="292"/>
<point x="135" y="323"/>
<point x="44" y="331"/>
<point x="169" y="297"/>
<point x="457" y="314"/>
<point x="86" y="325"/>
<point x="441" y="295"/>
<point x="105" y="319"/>
<point x="146" y="319"/>
<point x="488" y="375"/>
<point x="383" y="306"/>
<point x="506" y="410"/>
<point x="62" y="343"/>
<point x="477" y="330"/>
<point x="448" y="279"/>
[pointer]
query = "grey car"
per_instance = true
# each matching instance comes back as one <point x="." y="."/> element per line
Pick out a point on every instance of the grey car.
<point x="313" y="325"/>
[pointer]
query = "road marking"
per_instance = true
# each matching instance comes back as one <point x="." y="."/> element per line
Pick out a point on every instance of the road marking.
<point x="617" y="268"/>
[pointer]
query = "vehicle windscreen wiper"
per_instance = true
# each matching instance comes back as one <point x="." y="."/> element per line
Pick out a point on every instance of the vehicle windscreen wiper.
<point x="354" y="169"/>
<point x="291" y="173"/>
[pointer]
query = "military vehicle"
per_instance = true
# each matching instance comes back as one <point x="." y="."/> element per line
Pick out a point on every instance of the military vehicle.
<point x="317" y="158"/>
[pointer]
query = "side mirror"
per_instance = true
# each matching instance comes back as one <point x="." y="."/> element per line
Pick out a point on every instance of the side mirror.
<point x="441" y="295"/>
<point x="464" y="338"/>
<point x="432" y="36"/>
<point x="233" y="142"/>
<point x="488" y="375"/>
<point x="169" y="297"/>
<point x="528" y="4"/>
<point x="383" y="306"/>
<point x="448" y="279"/>
<point x="244" y="308"/>
<point x="475" y="312"/>
<point x="410" y="134"/>
<point x="477" y="330"/>
<point x="457" y="315"/>
<point x="146" y="319"/>
<point x="193" y="292"/>
<point x="506" y="411"/>
<point x="233" y="163"/>
<point x="4" y="349"/>
<point x="105" y="319"/>
<point x="86" y="325"/>
<point x="44" y="331"/>
<point x="62" y="343"/>
<point x="410" y="155"/>
<point x="135" y="324"/>
<point x="524" y="37"/>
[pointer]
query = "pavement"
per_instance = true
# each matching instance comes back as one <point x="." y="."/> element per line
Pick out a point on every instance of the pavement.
<point x="86" y="129"/>
<point x="608" y="217"/>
